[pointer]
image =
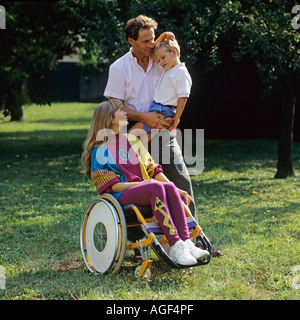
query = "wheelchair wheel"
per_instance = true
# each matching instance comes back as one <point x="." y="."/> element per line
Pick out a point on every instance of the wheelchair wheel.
<point x="146" y="276"/>
<point x="103" y="235"/>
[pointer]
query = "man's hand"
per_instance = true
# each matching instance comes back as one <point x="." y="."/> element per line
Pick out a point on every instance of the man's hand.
<point x="170" y="120"/>
<point x="156" y="120"/>
<point x="168" y="35"/>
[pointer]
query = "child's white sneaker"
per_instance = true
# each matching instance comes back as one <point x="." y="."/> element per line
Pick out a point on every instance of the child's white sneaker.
<point x="181" y="255"/>
<point x="197" y="253"/>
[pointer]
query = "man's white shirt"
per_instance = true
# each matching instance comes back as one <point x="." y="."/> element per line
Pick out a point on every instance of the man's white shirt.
<point x="128" y="81"/>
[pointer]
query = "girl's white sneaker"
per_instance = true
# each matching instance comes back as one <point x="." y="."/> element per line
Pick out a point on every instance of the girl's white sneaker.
<point x="181" y="255"/>
<point x="197" y="253"/>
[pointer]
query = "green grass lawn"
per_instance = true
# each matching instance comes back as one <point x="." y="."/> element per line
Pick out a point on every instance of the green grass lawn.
<point x="251" y="217"/>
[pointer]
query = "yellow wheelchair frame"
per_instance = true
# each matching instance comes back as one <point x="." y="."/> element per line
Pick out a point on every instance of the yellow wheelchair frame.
<point x="103" y="236"/>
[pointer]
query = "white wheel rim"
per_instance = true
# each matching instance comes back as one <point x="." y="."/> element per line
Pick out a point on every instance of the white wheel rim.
<point x="102" y="255"/>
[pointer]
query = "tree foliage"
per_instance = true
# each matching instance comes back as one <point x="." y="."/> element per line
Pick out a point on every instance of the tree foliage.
<point x="36" y="36"/>
<point x="259" y="31"/>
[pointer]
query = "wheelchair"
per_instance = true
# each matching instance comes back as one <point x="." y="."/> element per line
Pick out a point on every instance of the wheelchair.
<point x="103" y="236"/>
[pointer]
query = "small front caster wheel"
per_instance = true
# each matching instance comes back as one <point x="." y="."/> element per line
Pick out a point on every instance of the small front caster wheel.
<point x="146" y="275"/>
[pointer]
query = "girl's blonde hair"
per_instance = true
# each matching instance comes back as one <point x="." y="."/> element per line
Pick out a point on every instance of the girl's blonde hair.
<point x="168" y="45"/>
<point x="102" y="120"/>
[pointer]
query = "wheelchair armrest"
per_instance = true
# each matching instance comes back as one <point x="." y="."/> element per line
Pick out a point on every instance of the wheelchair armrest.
<point x="130" y="215"/>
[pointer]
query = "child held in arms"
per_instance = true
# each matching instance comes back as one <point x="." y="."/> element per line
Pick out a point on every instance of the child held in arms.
<point x="174" y="87"/>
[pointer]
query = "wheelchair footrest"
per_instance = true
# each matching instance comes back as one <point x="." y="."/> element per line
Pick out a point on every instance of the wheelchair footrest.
<point x="153" y="227"/>
<point x="156" y="229"/>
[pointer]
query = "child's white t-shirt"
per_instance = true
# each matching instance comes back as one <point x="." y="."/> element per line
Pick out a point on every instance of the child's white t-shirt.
<point x="174" y="83"/>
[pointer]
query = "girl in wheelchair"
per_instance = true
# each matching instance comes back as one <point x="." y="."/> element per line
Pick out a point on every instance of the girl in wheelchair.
<point x="120" y="164"/>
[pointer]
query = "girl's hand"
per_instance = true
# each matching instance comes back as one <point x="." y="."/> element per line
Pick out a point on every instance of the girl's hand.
<point x="147" y="181"/>
<point x="186" y="197"/>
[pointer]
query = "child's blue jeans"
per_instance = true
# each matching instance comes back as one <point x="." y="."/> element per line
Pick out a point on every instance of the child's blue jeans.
<point x="167" y="111"/>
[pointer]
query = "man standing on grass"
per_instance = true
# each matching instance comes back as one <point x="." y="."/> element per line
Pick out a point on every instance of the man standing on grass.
<point x="132" y="79"/>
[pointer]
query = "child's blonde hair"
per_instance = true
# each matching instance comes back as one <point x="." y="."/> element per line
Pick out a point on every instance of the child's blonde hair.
<point x="168" y="45"/>
<point x="102" y="120"/>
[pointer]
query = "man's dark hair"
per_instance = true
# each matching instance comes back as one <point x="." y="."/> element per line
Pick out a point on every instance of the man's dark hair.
<point x="135" y="24"/>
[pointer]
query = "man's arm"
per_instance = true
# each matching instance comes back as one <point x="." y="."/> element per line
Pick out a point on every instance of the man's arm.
<point x="131" y="114"/>
<point x="152" y="119"/>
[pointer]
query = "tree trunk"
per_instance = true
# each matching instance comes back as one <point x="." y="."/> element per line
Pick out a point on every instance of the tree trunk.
<point x="16" y="113"/>
<point x="285" y="167"/>
<point x="15" y="102"/>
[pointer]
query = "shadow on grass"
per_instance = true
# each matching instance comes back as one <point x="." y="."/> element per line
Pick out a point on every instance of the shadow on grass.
<point x="241" y="155"/>
<point x="42" y="142"/>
